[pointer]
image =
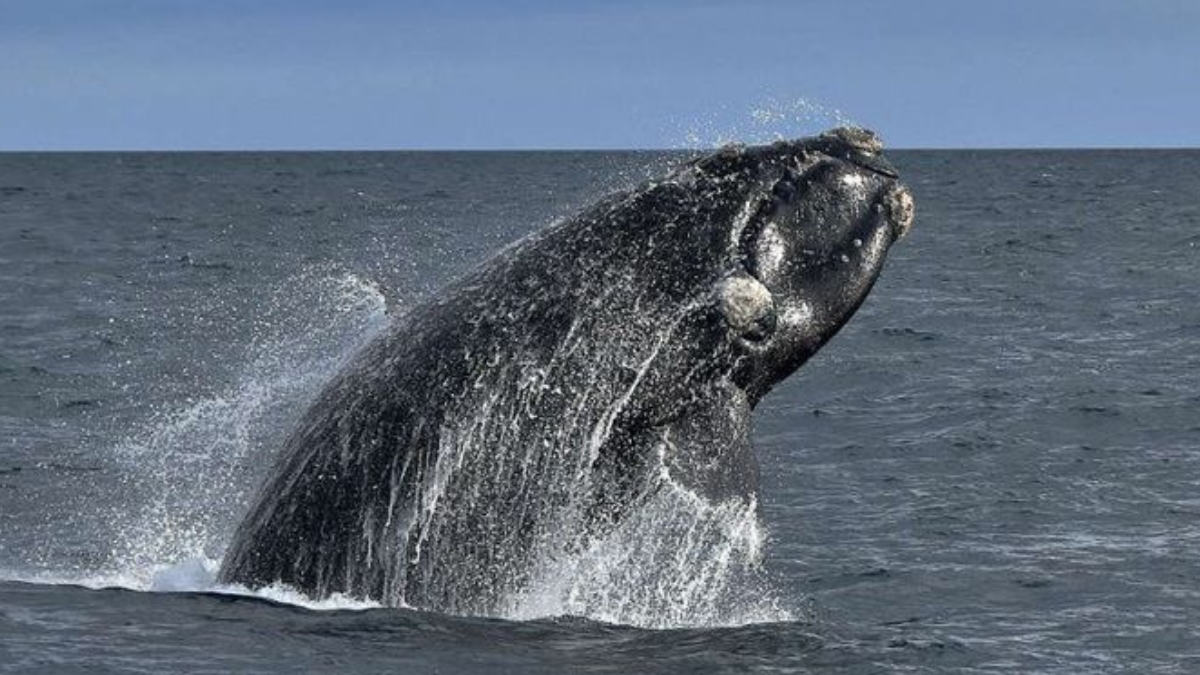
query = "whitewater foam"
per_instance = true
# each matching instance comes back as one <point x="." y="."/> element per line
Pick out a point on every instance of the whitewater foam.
<point x="192" y="575"/>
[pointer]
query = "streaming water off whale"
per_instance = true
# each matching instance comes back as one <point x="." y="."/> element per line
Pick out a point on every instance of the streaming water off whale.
<point x="992" y="469"/>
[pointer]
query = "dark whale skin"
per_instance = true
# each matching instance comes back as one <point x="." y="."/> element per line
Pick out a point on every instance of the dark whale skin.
<point x="536" y="401"/>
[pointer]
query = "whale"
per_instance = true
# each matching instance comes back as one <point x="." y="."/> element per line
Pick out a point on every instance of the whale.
<point x="546" y="399"/>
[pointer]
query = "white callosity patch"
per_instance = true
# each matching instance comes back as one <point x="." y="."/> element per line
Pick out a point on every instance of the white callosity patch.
<point x="771" y="251"/>
<point x="861" y="139"/>
<point x="742" y="220"/>
<point x="796" y="313"/>
<point x="901" y="209"/>
<point x="853" y="181"/>
<point x="856" y="186"/>
<point x="744" y="301"/>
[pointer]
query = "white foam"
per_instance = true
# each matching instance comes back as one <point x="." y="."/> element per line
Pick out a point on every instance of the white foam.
<point x="190" y="575"/>
<point x="194" y="575"/>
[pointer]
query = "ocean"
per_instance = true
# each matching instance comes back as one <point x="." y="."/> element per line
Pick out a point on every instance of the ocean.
<point x="994" y="468"/>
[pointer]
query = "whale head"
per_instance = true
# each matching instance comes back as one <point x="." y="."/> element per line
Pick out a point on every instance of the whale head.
<point x="817" y="218"/>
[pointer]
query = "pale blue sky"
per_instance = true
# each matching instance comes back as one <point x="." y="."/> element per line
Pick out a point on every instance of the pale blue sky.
<point x="232" y="74"/>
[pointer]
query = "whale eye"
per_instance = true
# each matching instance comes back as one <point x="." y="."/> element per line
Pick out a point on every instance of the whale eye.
<point x="785" y="189"/>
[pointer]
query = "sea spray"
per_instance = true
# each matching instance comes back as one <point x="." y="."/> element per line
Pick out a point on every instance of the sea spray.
<point x="769" y="120"/>
<point x="188" y="469"/>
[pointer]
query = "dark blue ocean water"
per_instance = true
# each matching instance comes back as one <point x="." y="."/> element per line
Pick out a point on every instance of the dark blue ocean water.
<point x="995" y="468"/>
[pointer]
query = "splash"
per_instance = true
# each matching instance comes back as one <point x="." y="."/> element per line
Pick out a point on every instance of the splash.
<point x="770" y="120"/>
<point x="680" y="560"/>
<point x="188" y="470"/>
<point x="500" y="518"/>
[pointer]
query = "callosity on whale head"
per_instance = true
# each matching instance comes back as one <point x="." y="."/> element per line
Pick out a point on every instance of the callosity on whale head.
<point x="819" y="216"/>
<point x="571" y="421"/>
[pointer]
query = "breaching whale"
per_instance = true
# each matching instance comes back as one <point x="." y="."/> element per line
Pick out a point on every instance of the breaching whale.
<point x="546" y="398"/>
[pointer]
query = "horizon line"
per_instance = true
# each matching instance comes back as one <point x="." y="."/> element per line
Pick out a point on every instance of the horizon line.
<point x="1031" y="148"/>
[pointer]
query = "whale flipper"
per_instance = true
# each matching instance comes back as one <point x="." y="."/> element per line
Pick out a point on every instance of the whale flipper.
<point x="708" y="450"/>
<point x="705" y="450"/>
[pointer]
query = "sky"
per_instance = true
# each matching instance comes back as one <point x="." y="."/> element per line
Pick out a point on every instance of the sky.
<point x="364" y="74"/>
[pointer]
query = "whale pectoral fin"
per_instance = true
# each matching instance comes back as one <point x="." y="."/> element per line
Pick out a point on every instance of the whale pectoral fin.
<point x="705" y="449"/>
<point x="708" y="450"/>
<point x="747" y="307"/>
